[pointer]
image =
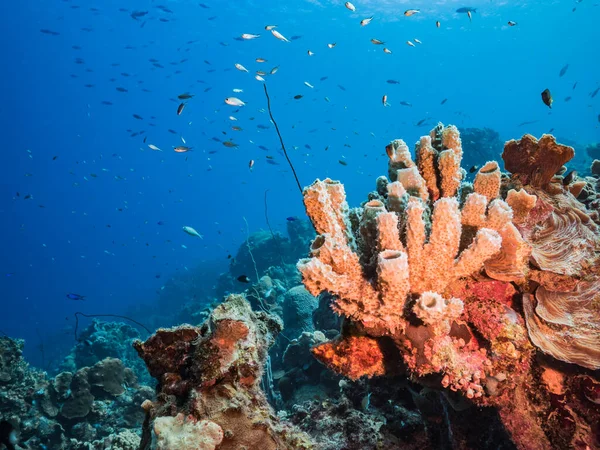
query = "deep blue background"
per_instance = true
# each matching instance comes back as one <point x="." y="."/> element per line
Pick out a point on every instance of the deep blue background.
<point x="59" y="242"/>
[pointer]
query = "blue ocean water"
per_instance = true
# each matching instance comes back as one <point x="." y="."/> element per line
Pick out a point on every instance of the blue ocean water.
<point x="88" y="208"/>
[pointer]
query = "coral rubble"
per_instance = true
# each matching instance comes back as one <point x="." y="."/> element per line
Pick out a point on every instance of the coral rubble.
<point x="210" y="379"/>
<point x="432" y="275"/>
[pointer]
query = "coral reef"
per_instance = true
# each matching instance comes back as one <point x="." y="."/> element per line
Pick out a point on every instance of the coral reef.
<point x="432" y="275"/>
<point x="100" y="340"/>
<point x="96" y="407"/>
<point x="212" y="376"/>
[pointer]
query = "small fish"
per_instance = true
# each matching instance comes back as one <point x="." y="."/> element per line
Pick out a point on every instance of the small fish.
<point x="403" y="103"/>
<point x="298" y="97"/>
<point x="409" y="43"/>
<point x="593" y="94"/>
<point x="571" y="176"/>
<point x="240" y="67"/>
<point x="387" y="50"/>
<point x="470" y="16"/>
<point x="180" y="108"/>
<point x="270" y="27"/>
<point x="512" y="23"/>
<point x="437" y="23"/>
<point x="366" y="402"/>
<point x="154" y="147"/>
<point x="251" y="164"/>
<point x="473" y="169"/>
<point x="291" y="218"/>
<point x="243" y="279"/>
<point x="274" y="70"/>
<point x="350" y="6"/>
<point x="192" y="232"/>
<point x="377" y="41"/>
<point x="563" y="70"/>
<point x="182" y="149"/>
<point x="411" y="12"/>
<point x="342" y="162"/>
<point x="366" y="21"/>
<point x="332" y="45"/>
<point x="547" y="98"/>
<point x="567" y="99"/>
<point x="466" y="9"/>
<point x="443" y="101"/>
<point x="75" y="297"/>
<point x="310" y="53"/>
<point x="259" y="78"/>
<point x="229" y="144"/>
<point x="392" y="82"/>
<point x="279" y="36"/>
<point x="185" y="96"/>
<point x="261" y="73"/>
<point x="575" y="85"/>
<point x="306" y="83"/>
<point x="248" y="36"/>
<point x="384" y="100"/>
<point x="417" y="41"/>
<point x="261" y="60"/>
<point x="233" y="101"/>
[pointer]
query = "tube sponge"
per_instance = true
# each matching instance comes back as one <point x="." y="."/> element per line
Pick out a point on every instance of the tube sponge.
<point x="438" y="312"/>
<point x="487" y="180"/>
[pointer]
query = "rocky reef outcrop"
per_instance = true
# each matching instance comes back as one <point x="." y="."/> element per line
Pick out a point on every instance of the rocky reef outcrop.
<point x="210" y="383"/>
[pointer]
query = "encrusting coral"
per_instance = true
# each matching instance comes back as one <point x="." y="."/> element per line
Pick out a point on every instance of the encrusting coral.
<point x="429" y="274"/>
<point x="210" y="380"/>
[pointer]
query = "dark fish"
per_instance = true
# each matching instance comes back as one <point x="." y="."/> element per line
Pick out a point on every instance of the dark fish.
<point x="593" y="94"/>
<point x="243" y="279"/>
<point x="76" y="297"/>
<point x="570" y="177"/>
<point x="106" y="102"/>
<point x="272" y="162"/>
<point x="547" y="98"/>
<point x="137" y="14"/>
<point x="393" y="82"/>
<point x="291" y="218"/>
<point x="50" y="32"/>
<point x="443" y="101"/>
<point x="342" y="162"/>
<point x="202" y="5"/>
<point x="185" y="96"/>
<point x="137" y="116"/>
<point x="180" y="108"/>
<point x="121" y="89"/>
<point x="262" y="127"/>
<point x="341" y="87"/>
<point x="298" y="97"/>
<point x="421" y="122"/>
<point x="262" y="147"/>
<point x="230" y="144"/>
<point x="575" y="85"/>
<point x="473" y="169"/>
<point x="295" y="38"/>
<point x="323" y="78"/>
<point x="7" y="432"/>
<point x="466" y="9"/>
<point x="567" y="98"/>
<point x="563" y="70"/>
<point x="172" y="131"/>
<point x="403" y="103"/>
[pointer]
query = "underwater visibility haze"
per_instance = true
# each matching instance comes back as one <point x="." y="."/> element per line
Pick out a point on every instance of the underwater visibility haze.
<point x="173" y="277"/>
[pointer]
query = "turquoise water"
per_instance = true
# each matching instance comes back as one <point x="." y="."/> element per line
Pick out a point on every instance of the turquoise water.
<point x="106" y="212"/>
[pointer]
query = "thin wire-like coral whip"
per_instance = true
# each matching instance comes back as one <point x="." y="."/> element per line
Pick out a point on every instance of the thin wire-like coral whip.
<point x="281" y="139"/>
